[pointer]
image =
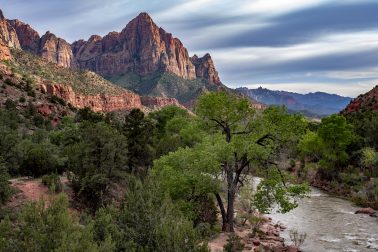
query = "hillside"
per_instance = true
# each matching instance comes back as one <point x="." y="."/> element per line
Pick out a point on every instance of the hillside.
<point x="363" y="103"/>
<point x="318" y="103"/>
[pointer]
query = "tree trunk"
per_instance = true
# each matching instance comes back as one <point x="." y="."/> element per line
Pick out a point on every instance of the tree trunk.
<point x="229" y="225"/>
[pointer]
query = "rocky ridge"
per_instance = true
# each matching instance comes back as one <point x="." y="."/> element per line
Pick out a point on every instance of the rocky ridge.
<point x="364" y="102"/>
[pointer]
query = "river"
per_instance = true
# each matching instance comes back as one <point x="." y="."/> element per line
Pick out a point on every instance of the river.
<point x="330" y="224"/>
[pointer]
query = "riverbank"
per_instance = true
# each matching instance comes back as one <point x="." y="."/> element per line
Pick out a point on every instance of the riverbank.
<point x="267" y="238"/>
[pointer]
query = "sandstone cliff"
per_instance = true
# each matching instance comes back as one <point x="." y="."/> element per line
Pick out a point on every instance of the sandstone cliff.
<point x="141" y="47"/>
<point x="28" y="37"/>
<point x="364" y="102"/>
<point x="7" y="33"/>
<point x="205" y="69"/>
<point x="56" y="50"/>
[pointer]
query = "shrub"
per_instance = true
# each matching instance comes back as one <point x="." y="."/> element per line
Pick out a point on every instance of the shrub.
<point x="22" y="99"/>
<point x="57" y="100"/>
<point x="9" y="82"/>
<point x="5" y="189"/>
<point x="10" y="105"/>
<point x="233" y="244"/>
<point x="53" y="182"/>
<point x="297" y="238"/>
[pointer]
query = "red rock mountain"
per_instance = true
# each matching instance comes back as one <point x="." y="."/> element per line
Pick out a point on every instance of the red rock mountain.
<point x="364" y="102"/>
<point x="142" y="48"/>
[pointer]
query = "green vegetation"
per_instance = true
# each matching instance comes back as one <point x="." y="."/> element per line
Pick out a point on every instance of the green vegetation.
<point x="343" y="153"/>
<point x="160" y="84"/>
<point x="151" y="182"/>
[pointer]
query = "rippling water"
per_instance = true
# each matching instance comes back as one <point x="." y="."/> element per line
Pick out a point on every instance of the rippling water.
<point x="330" y="225"/>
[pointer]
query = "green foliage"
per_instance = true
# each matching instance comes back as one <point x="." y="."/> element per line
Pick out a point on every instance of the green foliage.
<point x="96" y="155"/>
<point x="273" y="193"/>
<point x="169" y="84"/>
<point x="53" y="182"/>
<point x="57" y="100"/>
<point x="147" y="221"/>
<point x="365" y="124"/>
<point x="329" y="145"/>
<point x="234" y="244"/>
<point x="41" y="228"/>
<point x="37" y="159"/>
<point x="5" y="189"/>
<point x="86" y="114"/>
<point x="138" y="131"/>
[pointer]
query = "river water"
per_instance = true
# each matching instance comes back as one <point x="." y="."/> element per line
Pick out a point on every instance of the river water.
<point x="330" y="225"/>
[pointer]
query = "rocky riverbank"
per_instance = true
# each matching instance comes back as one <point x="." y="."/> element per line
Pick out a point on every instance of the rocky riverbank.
<point x="267" y="238"/>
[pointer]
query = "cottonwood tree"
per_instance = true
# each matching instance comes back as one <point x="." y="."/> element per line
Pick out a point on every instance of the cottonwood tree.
<point x="238" y="139"/>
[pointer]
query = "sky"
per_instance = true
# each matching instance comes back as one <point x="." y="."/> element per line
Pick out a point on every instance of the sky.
<point x="294" y="45"/>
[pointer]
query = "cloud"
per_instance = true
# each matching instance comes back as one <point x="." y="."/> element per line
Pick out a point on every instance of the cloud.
<point x="304" y="25"/>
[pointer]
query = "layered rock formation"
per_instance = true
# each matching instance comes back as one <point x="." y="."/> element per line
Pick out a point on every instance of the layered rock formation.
<point x="8" y="35"/>
<point x="364" y="102"/>
<point x="142" y="48"/>
<point x="56" y="50"/>
<point x="98" y="103"/>
<point x="5" y="53"/>
<point x="49" y="46"/>
<point x="28" y="37"/>
<point x="205" y="69"/>
<point x="159" y="102"/>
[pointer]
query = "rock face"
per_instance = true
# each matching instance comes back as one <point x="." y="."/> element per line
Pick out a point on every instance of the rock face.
<point x="142" y="48"/>
<point x="205" y="69"/>
<point x="29" y="38"/>
<point x="5" y="53"/>
<point x="56" y="50"/>
<point x="159" y="102"/>
<point x="7" y="33"/>
<point x="98" y="103"/>
<point x="365" y="102"/>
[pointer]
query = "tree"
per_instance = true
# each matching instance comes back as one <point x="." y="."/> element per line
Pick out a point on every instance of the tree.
<point x="138" y="131"/>
<point x="248" y="138"/>
<point x="5" y="189"/>
<point x="238" y="138"/>
<point x="96" y="156"/>
<point x="147" y="221"/>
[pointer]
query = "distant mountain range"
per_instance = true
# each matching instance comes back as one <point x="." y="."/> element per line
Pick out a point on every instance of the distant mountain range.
<point x="316" y="104"/>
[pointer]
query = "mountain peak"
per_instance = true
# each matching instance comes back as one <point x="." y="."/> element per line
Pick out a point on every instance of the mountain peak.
<point x="1" y="15"/>
<point x="144" y="15"/>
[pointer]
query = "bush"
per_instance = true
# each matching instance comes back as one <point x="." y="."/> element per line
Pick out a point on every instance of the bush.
<point x="9" y="82"/>
<point x="48" y="228"/>
<point x="57" y="100"/>
<point x="5" y="189"/>
<point x="52" y="182"/>
<point x="233" y="244"/>
<point x="37" y="159"/>
<point x="10" y="105"/>
<point x="22" y="99"/>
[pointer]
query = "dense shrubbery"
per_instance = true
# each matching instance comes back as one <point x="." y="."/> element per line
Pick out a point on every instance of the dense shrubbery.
<point x="345" y="150"/>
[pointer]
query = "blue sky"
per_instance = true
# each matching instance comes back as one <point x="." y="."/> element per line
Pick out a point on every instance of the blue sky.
<point x="294" y="45"/>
